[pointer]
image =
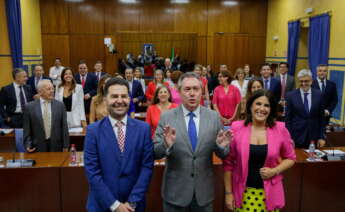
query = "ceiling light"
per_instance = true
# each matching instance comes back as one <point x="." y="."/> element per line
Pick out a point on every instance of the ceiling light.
<point x="179" y="1"/>
<point x="230" y="3"/>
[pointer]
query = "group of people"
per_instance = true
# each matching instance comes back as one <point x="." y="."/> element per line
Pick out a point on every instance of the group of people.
<point x="243" y="130"/>
<point x="119" y="153"/>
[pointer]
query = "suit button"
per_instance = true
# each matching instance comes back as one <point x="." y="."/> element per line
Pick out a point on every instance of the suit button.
<point x="192" y="175"/>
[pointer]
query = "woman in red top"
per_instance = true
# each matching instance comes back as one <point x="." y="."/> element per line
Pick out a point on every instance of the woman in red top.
<point x="161" y="103"/>
<point x="157" y="82"/>
<point x="226" y="98"/>
<point x="205" y="98"/>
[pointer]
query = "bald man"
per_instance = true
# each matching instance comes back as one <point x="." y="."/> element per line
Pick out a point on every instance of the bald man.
<point x="41" y="117"/>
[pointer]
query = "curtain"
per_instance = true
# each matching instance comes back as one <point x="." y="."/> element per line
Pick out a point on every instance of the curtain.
<point x="293" y="40"/>
<point x="318" y="43"/>
<point x="14" y="23"/>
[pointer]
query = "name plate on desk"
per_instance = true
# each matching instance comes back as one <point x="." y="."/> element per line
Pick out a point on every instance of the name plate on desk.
<point x="20" y="163"/>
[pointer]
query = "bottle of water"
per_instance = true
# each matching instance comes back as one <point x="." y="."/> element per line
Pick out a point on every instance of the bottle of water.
<point x="73" y="155"/>
<point x="312" y="154"/>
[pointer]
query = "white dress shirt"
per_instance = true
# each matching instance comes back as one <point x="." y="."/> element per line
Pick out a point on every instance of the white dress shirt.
<point x="309" y="97"/>
<point x="42" y="103"/>
<point x="320" y="82"/>
<point x="17" y="91"/>
<point x="196" y="118"/>
<point x="55" y="74"/>
<point x="130" y="84"/>
<point x="243" y="89"/>
<point x="113" y="122"/>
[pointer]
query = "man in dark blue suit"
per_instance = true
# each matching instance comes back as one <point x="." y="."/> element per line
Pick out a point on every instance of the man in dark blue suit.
<point x="305" y="113"/>
<point x="270" y="83"/>
<point x="135" y="88"/>
<point x="118" y="155"/>
<point x="328" y="89"/>
<point x="89" y="83"/>
<point x="13" y="98"/>
<point x="98" y="70"/>
<point x="38" y="74"/>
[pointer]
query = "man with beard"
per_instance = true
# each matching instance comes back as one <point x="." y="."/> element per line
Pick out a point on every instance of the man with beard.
<point x="118" y="155"/>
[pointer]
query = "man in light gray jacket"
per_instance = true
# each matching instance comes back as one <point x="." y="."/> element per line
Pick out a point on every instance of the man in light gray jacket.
<point x="187" y="136"/>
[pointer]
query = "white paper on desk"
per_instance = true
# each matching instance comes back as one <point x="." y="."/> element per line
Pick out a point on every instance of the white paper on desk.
<point x="335" y="151"/>
<point x="75" y="130"/>
<point x="6" y="131"/>
<point x="317" y="152"/>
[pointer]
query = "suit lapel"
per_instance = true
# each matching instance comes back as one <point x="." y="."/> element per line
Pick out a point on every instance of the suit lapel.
<point x="202" y="126"/>
<point x="13" y="91"/>
<point x="181" y="125"/>
<point x="109" y="138"/>
<point x="299" y="102"/>
<point x="38" y="111"/>
<point x="130" y="139"/>
<point x="54" y="111"/>
<point x="313" y="101"/>
<point x="245" y="143"/>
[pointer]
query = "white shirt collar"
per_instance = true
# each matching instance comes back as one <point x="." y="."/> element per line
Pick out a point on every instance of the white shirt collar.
<point x="42" y="101"/>
<point x="16" y="84"/>
<point x="319" y="80"/>
<point x="114" y="121"/>
<point x="302" y="91"/>
<point x="186" y="111"/>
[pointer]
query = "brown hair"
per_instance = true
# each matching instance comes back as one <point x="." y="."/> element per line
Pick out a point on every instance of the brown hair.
<point x="227" y="74"/>
<point x="63" y="82"/>
<point x="250" y="85"/>
<point x="100" y="90"/>
<point x="155" y="97"/>
<point x="175" y="76"/>
<point x="239" y="71"/>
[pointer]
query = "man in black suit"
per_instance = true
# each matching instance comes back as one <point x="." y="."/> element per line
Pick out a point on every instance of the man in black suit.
<point x="328" y="89"/>
<point x="135" y="88"/>
<point x="38" y="74"/>
<point x="45" y="122"/>
<point x="89" y="83"/>
<point x="98" y="70"/>
<point x="13" y="97"/>
<point x="270" y="83"/>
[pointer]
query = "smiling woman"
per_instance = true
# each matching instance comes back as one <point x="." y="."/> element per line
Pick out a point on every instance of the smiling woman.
<point x="260" y="150"/>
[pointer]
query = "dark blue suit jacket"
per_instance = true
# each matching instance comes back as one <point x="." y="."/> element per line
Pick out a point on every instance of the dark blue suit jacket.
<point x="303" y="126"/>
<point x="90" y="83"/>
<point x="102" y="73"/>
<point x="31" y="82"/>
<point x="8" y="100"/>
<point x="275" y="88"/>
<point x="330" y="94"/>
<point x="113" y="175"/>
<point x="137" y="92"/>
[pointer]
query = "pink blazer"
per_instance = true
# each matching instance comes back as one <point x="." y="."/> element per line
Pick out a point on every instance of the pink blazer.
<point x="279" y="146"/>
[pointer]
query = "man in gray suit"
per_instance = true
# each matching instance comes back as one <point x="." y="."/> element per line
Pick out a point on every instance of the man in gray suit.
<point x="187" y="136"/>
<point x="45" y="122"/>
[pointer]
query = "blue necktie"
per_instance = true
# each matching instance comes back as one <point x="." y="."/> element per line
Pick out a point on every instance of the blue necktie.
<point x="306" y="104"/>
<point x="323" y="86"/>
<point x="266" y="84"/>
<point x="193" y="137"/>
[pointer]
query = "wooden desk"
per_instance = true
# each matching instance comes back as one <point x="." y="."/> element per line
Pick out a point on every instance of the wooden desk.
<point x="53" y="185"/>
<point x="32" y="189"/>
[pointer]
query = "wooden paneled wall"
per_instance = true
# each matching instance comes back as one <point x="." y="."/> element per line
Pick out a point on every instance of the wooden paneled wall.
<point x="206" y="31"/>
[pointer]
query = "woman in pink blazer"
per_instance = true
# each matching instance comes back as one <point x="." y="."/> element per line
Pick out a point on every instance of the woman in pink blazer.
<point x="260" y="151"/>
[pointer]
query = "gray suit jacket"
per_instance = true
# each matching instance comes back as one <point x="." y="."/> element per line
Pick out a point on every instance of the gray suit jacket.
<point x="290" y="83"/>
<point x="34" y="135"/>
<point x="189" y="173"/>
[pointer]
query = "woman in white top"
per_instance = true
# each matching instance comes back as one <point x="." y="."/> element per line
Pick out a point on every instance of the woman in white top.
<point x="71" y="94"/>
<point x="241" y="83"/>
